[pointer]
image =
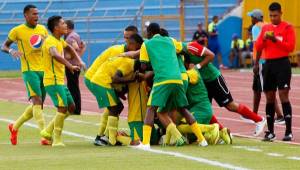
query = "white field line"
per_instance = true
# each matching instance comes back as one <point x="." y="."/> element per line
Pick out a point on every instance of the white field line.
<point x="175" y="154"/>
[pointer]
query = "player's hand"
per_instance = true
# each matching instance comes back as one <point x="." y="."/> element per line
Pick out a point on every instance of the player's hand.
<point x="15" y="54"/>
<point x="140" y="77"/>
<point x="74" y="68"/>
<point x="255" y="69"/>
<point x="269" y="35"/>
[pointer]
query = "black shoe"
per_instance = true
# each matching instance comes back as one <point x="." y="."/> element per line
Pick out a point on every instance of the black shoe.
<point x="269" y="137"/>
<point x="288" y="137"/>
<point x="99" y="142"/>
<point x="279" y="121"/>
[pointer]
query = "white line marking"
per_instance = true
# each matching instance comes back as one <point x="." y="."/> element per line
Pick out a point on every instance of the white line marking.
<point x="275" y="154"/>
<point x="248" y="148"/>
<point x="294" y="158"/>
<point x="176" y="154"/>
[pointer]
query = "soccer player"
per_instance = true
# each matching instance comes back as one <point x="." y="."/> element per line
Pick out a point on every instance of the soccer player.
<point x="29" y="38"/>
<point x="257" y="21"/>
<point x="168" y="85"/>
<point x="54" y="68"/>
<point x="217" y="88"/>
<point x="114" y="71"/>
<point x="277" y="40"/>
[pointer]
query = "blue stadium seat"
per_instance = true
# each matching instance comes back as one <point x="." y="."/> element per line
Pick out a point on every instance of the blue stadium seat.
<point x="84" y="4"/>
<point x="5" y="15"/>
<point x="18" y="6"/>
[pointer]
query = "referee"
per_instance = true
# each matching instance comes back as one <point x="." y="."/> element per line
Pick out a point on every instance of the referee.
<point x="277" y="40"/>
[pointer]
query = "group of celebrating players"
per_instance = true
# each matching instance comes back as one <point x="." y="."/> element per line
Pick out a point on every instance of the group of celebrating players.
<point x="169" y="86"/>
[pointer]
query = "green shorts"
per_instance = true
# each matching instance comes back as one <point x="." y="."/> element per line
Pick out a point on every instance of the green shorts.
<point x="60" y="95"/>
<point x="88" y="84"/>
<point x="202" y="112"/>
<point x="168" y="97"/>
<point x="106" y="97"/>
<point x="34" y="83"/>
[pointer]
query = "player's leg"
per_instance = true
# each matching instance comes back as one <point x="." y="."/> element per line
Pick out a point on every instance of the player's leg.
<point x="112" y="123"/>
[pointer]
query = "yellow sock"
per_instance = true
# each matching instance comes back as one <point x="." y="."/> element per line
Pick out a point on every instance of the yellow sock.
<point x="103" y="122"/>
<point x="27" y="115"/>
<point x="49" y="129"/>
<point x="184" y="128"/>
<point x="206" y="128"/>
<point x="146" y="134"/>
<point x="174" y="131"/>
<point x="168" y="136"/>
<point x="58" y="126"/>
<point x="197" y="131"/>
<point x="112" y="126"/>
<point x="38" y="116"/>
<point x="125" y="140"/>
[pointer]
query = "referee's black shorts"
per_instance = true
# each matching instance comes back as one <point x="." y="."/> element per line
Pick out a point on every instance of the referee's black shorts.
<point x="277" y="74"/>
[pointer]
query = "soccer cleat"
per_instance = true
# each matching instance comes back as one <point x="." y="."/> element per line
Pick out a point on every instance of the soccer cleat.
<point x="58" y="144"/>
<point x="13" y="134"/>
<point x="279" y="121"/>
<point x="143" y="147"/>
<point x="45" y="141"/>
<point x="203" y="143"/>
<point x="99" y="142"/>
<point x="226" y="136"/>
<point x="180" y="142"/>
<point x="288" y="137"/>
<point x="46" y="135"/>
<point x="260" y="127"/>
<point x="269" y="137"/>
<point x="214" y="134"/>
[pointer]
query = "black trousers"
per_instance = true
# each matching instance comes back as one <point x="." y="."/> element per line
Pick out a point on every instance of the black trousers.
<point x="73" y="86"/>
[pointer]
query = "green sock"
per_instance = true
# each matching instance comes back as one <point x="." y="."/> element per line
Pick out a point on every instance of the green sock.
<point x="103" y="122"/>
<point x="58" y="126"/>
<point x="38" y="115"/>
<point x="112" y="126"/>
<point x="27" y="115"/>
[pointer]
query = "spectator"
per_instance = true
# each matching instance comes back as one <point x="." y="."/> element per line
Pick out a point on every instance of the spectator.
<point x="237" y="46"/>
<point x="248" y="50"/>
<point x="213" y="42"/>
<point x="73" y="39"/>
<point x="200" y="35"/>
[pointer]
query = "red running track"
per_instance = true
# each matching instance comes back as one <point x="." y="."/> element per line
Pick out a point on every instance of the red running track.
<point x="239" y="83"/>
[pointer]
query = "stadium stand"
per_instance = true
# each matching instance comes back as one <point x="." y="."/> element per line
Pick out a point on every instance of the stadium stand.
<point x="100" y="22"/>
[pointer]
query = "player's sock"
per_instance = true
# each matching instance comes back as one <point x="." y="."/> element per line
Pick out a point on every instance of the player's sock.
<point x="168" y="136"/>
<point x="58" y="126"/>
<point x="215" y="120"/>
<point x="270" y="113"/>
<point x="246" y="112"/>
<point x="125" y="140"/>
<point x="38" y="116"/>
<point x="287" y="111"/>
<point x="184" y="128"/>
<point x="49" y="129"/>
<point x="112" y="126"/>
<point x="103" y="122"/>
<point x="197" y="131"/>
<point x="27" y="115"/>
<point x="146" y="134"/>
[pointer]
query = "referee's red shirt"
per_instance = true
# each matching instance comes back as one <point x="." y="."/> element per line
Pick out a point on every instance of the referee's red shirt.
<point x="285" y="44"/>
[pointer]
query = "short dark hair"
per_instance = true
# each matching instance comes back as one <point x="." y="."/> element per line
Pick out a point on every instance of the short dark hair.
<point x="52" y="22"/>
<point x="137" y="38"/>
<point x="70" y="24"/>
<point x="164" y="32"/>
<point x="28" y="7"/>
<point x="215" y="17"/>
<point x="132" y="28"/>
<point x="153" y="28"/>
<point x="275" y="6"/>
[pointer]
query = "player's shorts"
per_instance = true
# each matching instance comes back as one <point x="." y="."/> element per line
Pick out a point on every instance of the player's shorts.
<point x="136" y="130"/>
<point x="167" y="94"/>
<point x="88" y="84"/>
<point x="277" y="73"/>
<point x="217" y="89"/>
<point x="34" y="84"/>
<point x="60" y="95"/>
<point x="185" y="80"/>
<point x="202" y="112"/>
<point x="106" y="97"/>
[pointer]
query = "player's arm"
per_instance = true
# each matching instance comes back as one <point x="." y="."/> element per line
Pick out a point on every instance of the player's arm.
<point x="6" y="48"/>
<point x="131" y="54"/>
<point x="54" y="53"/>
<point x="118" y="78"/>
<point x="75" y="55"/>
<point x="196" y="49"/>
<point x="82" y="48"/>
<point x="144" y="58"/>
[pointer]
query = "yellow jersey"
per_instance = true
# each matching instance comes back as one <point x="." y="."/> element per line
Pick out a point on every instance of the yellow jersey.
<point x="54" y="71"/>
<point x="29" y="41"/>
<point x="108" y="69"/>
<point x="137" y="101"/>
<point x="111" y="51"/>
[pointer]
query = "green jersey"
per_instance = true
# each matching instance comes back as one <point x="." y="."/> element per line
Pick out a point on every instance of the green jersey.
<point x="196" y="91"/>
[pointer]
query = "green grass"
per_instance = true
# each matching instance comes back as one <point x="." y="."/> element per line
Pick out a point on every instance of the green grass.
<point x="10" y="74"/>
<point x="82" y="154"/>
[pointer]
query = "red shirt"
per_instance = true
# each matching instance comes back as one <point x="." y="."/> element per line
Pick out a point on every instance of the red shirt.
<point x="285" y="44"/>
